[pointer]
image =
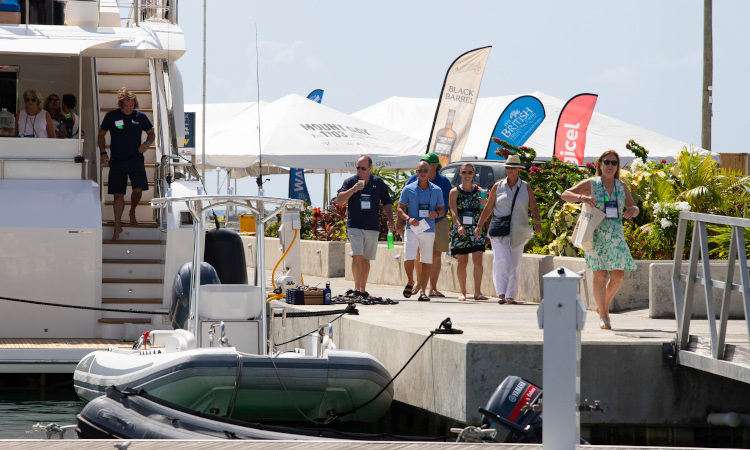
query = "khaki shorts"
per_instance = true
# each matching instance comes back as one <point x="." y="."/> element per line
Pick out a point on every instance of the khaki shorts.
<point x="442" y="236"/>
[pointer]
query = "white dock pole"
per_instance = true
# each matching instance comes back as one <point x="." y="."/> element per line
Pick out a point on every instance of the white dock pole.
<point x="561" y="314"/>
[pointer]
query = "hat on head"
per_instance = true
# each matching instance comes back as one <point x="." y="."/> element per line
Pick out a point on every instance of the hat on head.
<point x="431" y="158"/>
<point x="514" y="161"/>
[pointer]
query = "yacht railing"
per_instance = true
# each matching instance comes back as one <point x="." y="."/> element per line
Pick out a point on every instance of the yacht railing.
<point x="699" y="250"/>
<point x="77" y="160"/>
<point x="153" y="9"/>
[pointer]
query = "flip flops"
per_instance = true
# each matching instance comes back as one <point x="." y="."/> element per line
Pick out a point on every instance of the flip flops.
<point x="408" y="291"/>
<point x="462" y="298"/>
<point x="436" y="294"/>
<point x="481" y="297"/>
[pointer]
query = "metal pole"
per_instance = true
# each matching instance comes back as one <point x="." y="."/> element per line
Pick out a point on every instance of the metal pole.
<point x="708" y="74"/>
<point x="203" y="133"/>
<point x="325" y="188"/>
<point x="562" y="315"/>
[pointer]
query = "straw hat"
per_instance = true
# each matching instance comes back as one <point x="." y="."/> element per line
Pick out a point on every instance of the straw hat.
<point x="514" y="161"/>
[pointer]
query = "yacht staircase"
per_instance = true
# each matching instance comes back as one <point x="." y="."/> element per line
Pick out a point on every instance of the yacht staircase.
<point x="132" y="265"/>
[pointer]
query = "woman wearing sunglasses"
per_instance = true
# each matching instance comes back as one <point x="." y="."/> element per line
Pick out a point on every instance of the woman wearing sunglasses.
<point x="466" y="207"/>
<point x="33" y="121"/>
<point x="52" y="106"/>
<point x="610" y="254"/>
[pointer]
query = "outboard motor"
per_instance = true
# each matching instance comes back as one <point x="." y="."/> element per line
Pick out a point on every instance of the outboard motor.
<point x="179" y="311"/>
<point x="505" y="411"/>
<point x="225" y="252"/>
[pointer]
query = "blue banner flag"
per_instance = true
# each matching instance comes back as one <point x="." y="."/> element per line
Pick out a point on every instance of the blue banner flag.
<point x="517" y="123"/>
<point x="297" y="185"/>
<point x="316" y="95"/>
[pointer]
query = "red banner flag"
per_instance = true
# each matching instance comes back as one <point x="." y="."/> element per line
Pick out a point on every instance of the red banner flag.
<point x="570" y="135"/>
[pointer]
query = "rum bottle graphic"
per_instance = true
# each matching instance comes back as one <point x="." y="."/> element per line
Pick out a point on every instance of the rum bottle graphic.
<point x="445" y="139"/>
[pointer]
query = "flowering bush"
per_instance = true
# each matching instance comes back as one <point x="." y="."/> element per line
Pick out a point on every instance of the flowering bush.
<point x="526" y="154"/>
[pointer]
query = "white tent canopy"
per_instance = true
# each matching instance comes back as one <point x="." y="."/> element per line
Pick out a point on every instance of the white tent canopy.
<point x="297" y="132"/>
<point x="414" y="116"/>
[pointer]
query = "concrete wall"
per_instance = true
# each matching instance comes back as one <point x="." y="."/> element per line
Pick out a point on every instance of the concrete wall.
<point x="453" y="377"/>
<point x="661" y="305"/>
<point x="319" y="258"/>
<point x="388" y="269"/>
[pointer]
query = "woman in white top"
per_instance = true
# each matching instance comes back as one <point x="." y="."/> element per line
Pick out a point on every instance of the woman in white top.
<point x="507" y="250"/>
<point x="33" y="121"/>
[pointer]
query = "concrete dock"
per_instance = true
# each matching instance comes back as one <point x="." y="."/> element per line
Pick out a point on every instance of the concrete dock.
<point x="628" y="368"/>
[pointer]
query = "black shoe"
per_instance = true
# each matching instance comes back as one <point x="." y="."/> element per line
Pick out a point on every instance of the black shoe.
<point x="353" y="293"/>
<point x="364" y="294"/>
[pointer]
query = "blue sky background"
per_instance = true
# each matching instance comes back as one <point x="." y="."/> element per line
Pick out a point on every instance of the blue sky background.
<point x="642" y="57"/>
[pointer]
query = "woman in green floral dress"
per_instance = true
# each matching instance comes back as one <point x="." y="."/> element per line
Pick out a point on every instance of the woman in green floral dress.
<point x="610" y="254"/>
<point x="465" y="205"/>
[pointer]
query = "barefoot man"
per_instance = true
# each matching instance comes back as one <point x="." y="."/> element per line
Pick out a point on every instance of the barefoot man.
<point x="125" y="126"/>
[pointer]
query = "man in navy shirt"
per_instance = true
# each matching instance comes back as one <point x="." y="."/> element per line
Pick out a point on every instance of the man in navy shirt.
<point x="442" y="226"/>
<point x="364" y="193"/>
<point x="125" y="126"/>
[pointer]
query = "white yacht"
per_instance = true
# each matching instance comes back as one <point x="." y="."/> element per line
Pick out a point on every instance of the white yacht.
<point x="56" y="222"/>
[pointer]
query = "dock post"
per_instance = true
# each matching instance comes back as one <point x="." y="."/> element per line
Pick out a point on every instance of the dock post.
<point x="561" y="314"/>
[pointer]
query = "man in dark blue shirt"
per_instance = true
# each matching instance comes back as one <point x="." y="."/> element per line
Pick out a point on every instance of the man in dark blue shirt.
<point x="364" y="193"/>
<point x="126" y="126"/>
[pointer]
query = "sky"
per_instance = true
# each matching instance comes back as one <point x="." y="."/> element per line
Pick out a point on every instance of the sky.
<point x="642" y="57"/>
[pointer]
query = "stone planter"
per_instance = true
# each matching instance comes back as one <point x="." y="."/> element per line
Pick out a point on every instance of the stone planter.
<point x="319" y="258"/>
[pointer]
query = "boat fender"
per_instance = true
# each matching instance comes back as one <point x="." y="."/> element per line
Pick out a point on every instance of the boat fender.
<point x="179" y="311"/>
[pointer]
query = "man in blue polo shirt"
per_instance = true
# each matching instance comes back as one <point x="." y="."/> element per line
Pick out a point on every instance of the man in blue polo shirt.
<point x="442" y="225"/>
<point x="364" y="193"/>
<point x="125" y="126"/>
<point x="420" y="204"/>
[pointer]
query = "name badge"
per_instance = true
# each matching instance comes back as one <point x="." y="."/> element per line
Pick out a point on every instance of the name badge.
<point x="364" y="201"/>
<point x="119" y="123"/>
<point x="611" y="209"/>
<point x="467" y="217"/>
<point x="424" y="211"/>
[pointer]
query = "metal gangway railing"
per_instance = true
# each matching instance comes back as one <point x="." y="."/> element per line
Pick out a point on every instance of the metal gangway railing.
<point x="720" y="360"/>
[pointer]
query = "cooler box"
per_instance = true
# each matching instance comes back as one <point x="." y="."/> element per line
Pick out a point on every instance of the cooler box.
<point x="247" y="223"/>
<point x="10" y="12"/>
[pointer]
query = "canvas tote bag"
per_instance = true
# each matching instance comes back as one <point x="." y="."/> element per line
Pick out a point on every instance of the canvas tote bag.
<point x="583" y="233"/>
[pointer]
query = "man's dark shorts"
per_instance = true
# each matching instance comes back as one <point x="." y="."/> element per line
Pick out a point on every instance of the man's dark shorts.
<point x="119" y="171"/>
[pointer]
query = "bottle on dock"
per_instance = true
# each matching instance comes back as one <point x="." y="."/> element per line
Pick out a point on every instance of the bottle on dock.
<point x="327" y="293"/>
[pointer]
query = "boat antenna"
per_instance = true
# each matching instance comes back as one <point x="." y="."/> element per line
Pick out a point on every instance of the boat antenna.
<point x="259" y="178"/>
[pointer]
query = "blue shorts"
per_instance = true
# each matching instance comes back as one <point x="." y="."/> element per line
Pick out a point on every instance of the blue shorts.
<point x="119" y="171"/>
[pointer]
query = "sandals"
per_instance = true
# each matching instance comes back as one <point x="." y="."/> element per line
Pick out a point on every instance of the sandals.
<point x="501" y="301"/>
<point x="480" y="297"/>
<point x="415" y="290"/>
<point x="462" y="298"/>
<point x="436" y="294"/>
<point x="604" y="324"/>
<point x="510" y="301"/>
<point x="423" y="298"/>
<point x="408" y="291"/>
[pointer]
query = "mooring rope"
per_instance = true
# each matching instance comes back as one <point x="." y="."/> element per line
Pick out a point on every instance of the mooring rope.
<point x="91" y="308"/>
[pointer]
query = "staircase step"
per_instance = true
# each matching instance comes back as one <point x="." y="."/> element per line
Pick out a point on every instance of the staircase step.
<point x="121" y="320"/>
<point x="124" y="289"/>
<point x="145" y="224"/>
<point x="143" y="213"/>
<point x="139" y="74"/>
<point x="133" y="242"/>
<point x="135" y="301"/>
<point x="132" y="280"/>
<point x="132" y="261"/>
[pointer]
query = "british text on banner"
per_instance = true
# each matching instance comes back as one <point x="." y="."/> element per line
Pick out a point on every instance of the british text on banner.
<point x="455" y="109"/>
<point x="570" y="134"/>
<point x="516" y="123"/>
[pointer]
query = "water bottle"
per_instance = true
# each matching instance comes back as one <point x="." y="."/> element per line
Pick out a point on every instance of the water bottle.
<point x="327" y="293"/>
<point x="390" y="240"/>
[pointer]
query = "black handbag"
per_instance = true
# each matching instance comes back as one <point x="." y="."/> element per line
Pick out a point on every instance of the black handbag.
<point x="500" y="225"/>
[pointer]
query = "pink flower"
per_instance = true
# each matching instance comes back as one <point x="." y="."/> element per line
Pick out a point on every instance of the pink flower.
<point x="663" y="161"/>
<point x="534" y="170"/>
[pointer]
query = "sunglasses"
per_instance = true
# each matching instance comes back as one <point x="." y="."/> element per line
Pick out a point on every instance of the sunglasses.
<point x="464" y="172"/>
<point x="362" y="168"/>
<point x="609" y="162"/>
<point x="32" y="100"/>
<point x="423" y="170"/>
